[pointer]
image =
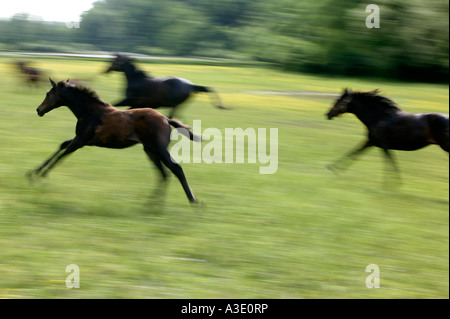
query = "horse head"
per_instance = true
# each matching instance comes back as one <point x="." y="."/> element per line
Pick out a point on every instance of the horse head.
<point x="53" y="98"/>
<point x="118" y="62"/>
<point x="341" y="104"/>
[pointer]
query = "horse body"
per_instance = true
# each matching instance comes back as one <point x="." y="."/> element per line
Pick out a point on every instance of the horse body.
<point x="154" y="92"/>
<point x="31" y="74"/>
<point x="121" y="129"/>
<point x="406" y="132"/>
<point x="100" y="124"/>
<point x="389" y="127"/>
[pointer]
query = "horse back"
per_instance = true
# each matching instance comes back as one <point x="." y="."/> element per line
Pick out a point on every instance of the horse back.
<point x="409" y="131"/>
<point x="124" y="128"/>
<point x="150" y="126"/>
<point x="147" y="92"/>
<point x="157" y="92"/>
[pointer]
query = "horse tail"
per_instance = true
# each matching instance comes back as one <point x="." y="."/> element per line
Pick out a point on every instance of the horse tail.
<point x="215" y="99"/>
<point x="185" y="130"/>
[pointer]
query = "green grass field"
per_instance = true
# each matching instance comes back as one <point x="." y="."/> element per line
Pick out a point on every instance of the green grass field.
<point x="300" y="233"/>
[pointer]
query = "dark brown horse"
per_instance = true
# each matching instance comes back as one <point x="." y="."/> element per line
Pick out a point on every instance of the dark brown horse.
<point x="390" y="128"/>
<point x="31" y="75"/>
<point x="100" y="124"/>
<point x="146" y="91"/>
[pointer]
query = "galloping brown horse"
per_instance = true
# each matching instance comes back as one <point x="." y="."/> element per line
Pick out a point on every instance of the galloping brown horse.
<point x="100" y="124"/>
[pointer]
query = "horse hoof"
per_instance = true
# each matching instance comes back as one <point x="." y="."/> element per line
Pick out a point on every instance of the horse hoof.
<point x="31" y="175"/>
<point x="198" y="204"/>
<point x="35" y="174"/>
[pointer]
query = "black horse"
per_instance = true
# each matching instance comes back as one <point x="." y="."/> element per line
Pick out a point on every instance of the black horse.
<point x="146" y="91"/>
<point x="389" y="127"/>
<point x="100" y="124"/>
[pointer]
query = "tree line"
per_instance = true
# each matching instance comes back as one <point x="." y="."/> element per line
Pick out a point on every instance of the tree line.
<point x="305" y="36"/>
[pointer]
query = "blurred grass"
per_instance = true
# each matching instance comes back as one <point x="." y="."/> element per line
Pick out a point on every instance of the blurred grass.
<point x="300" y="233"/>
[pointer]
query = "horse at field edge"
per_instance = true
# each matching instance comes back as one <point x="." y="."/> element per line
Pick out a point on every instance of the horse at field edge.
<point x="389" y="127"/>
<point x="154" y="92"/>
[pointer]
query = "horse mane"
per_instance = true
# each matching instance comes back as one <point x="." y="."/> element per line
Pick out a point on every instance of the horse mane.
<point x="137" y="72"/>
<point x="380" y="100"/>
<point x="86" y="91"/>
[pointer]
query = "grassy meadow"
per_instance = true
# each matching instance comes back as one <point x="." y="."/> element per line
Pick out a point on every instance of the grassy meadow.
<point x="302" y="232"/>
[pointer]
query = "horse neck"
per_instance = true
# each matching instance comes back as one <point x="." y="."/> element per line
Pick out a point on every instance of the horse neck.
<point x="365" y="112"/>
<point x="83" y="106"/>
<point x="131" y="72"/>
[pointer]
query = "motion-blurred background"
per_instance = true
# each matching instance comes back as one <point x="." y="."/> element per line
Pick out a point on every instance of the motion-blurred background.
<point x="312" y="36"/>
<point x="302" y="232"/>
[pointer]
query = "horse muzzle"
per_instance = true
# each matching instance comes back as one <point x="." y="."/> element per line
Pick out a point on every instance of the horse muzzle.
<point x="40" y="112"/>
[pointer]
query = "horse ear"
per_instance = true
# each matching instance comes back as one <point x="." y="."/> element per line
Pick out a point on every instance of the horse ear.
<point x="347" y="91"/>
<point x="52" y="82"/>
<point x="376" y="91"/>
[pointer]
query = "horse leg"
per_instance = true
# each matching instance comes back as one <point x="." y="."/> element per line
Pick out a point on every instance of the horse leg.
<point x="348" y="158"/>
<point x="176" y="169"/>
<point x="439" y="130"/>
<point x="444" y="145"/>
<point x="71" y="147"/>
<point x="39" y="169"/>
<point x="172" y="113"/>
<point x="391" y="159"/>
<point x="214" y="96"/>
<point x="443" y="140"/>
<point x="157" y="161"/>
<point x="160" y="190"/>
<point x="392" y="163"/>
